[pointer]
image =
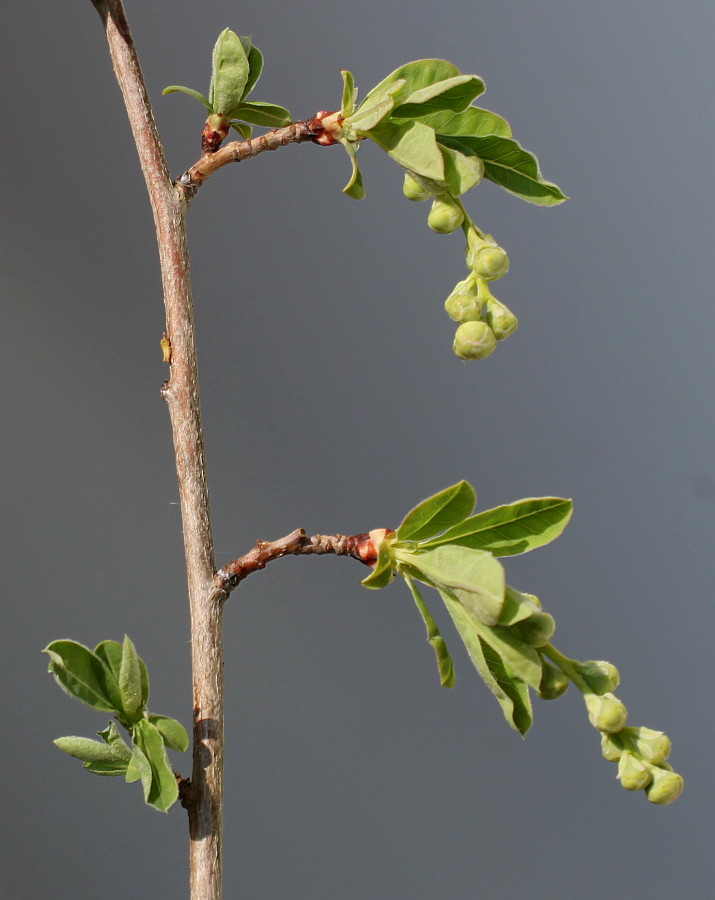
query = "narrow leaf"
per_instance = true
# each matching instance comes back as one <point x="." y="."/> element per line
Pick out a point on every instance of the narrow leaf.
<point x="89" y="750"/>
<point x="130" y="681"/>
<point x="511" y="529"/>
<point x="347" y="104"/>
<point x="106" y="769"/>
<point x="230" y="73"/>
<point x="176" y="88"/>
<point x="163" y="790"/>
<point x="510" y="166"/>
<point x="412" y="145"/>
<point x="110" y="652"/>
<point x="511" y="693"/>
<point x="84" y="676"/>
<point x="435" y="639"/>
<point x="438" y="512"/>
<point x="255" y="67"/>
<point x="473" y="577"/>
<point x="452" y="94"/>
<point x="267" y="114"/>
<point x="355" y="187"/>
<point x="172" y="732"/>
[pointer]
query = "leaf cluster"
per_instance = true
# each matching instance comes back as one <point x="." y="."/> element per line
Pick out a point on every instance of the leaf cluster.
<point x="236" y="67"/>
<point x="113" y="678"/>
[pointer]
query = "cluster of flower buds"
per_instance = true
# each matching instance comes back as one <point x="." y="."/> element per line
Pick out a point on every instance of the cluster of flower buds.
<point x="640" y="752"/>
<point x="483" y="320"/>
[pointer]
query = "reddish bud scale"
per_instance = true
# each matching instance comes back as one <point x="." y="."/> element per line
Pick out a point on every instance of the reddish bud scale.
<point x="368" y="545"/>
<point x="214" y="133"/>
<point x="321" y="134"/>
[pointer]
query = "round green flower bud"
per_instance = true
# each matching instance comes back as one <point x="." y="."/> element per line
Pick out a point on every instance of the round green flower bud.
<point x="611" y="748"/>
<point x="553" y="682"/>
<point x="633" y="774"/>
<point x="474" y="340"/>
<point x="599" y="675"/>
<point x="445" y="216"/>
<point x="413" y="190"/>
<point x="501" y="320"/>
<point x="665" y="787"/>
<point x="653" y="746"/>
<point x="606" y="712"/>
<point x="537" y="630"/>
<point x="463" y="305"/>
<point x="490" y="262"/>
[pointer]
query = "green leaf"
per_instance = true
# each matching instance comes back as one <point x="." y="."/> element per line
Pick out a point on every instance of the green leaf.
<point x="438" y="512"/>
<point x="266" y="114"/>
<point x="461" y="173"/>
<point x="435" y="639"/>
<point x="412" y="145"/>
<point x="255" y="67"/>
<point x="162" y="790"/>
<point x="347" y="104"/>
<point x="520" y="660"/>
<point x="112" y="755"/>
<point x="369" y="115"/>
<point x="472" y="121"/>
<point x="130" y="681"/>
<point x="110" y="652"/>
<point x="415" y="75"/>
<point x="507" y="164"/>
<point x="173" y="732"/>
<point x="84" y="676"/>
<point x="139" y="769"/>
<point x="382" y="574"/>
<point x="106" y="769"/>
<point x="517" y="606"/>
<point x="177" y="88"/>
<point x="510" y="691"/>
<point x="511" y="529"/>
<point x="355" y="187"/>
<point x="229" y="73"/>
<point x="474" y="577"/>
<point x="244" y="130"/>
<point x="452" y="94"/>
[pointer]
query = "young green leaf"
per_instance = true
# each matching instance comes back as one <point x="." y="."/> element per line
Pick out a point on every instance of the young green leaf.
<point x="415" y="75"/>
<point x="510" y="529"/>
<point x="510" y="166"/>
<point x="266" y="114"/>
<point x="84" y="676"/>
<point x="255" y="67"/>
<point x="473" y="577"/>
<point x="461" y="173"/>
<point x="130" y="681"/>
<point x="229" y="74"/>
<point x="110" y="652"/>
<point x="510" y="691"/>
<point x="177" y="88"/>
<point x="472" y="121"/>
<point x="412" y="145"/>
<point x="382" y="574"/>
<point x="452" y="94"/>
<point x="440" y="511"/>
<point x="369" y="115"/>
<point x="173" y="733"/>
<point x="520" y="660"/>
<point x="434" y="638"/>
<point x="244" y="130"/>
<point x="111" y="755"/>
<point x="347" y="104"/>
<point x="355" y="187"/>
<point x="162" y="790"/>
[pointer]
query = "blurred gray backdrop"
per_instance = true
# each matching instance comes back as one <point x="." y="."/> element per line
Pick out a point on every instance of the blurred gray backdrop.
<point x="332" y="401"/>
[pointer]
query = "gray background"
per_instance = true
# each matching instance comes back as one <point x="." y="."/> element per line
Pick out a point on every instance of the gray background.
<point x="332" y="401"/>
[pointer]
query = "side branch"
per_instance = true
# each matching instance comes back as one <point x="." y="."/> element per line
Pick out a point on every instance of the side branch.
<point x="297" y="543"/>
<point x="295" y="133"/>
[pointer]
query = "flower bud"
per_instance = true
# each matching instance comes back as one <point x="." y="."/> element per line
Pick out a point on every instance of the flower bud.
<point x="611" y="748"/>
<point x="463" y="305"/>
<point x="489" y="262"/>
<point x="553" y="682"/>
<point x="653" y="746"/>
<point x="413" y="190"/>
<point x="665" y="787"/>
<point x="501" y="320"/>
<point x="445" y="216"/>
<point x="599" y="675"/>
<point x="606" y="712"/>
<point x="633" y="774"/>
<point x="537" y="630"/>
<point x="474" y="340"/>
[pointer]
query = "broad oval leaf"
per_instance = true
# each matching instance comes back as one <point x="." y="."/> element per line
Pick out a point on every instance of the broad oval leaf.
<point x="163" y="789"/>
<point x="445" y="666"/>
<point x="416" y="75"/>
<point x="511" y="693"/>
<point x="177" y="88"/>
<point x="473" y="577"/>
<point x="412" y="145"/>
<point x="83" y="675"/>
<point x="229" y="73"/>
<point x="507" y="164"/>
<point x="472" y="121"/>
<point x="511" y="529"/>
<point x="453" y="94"/>
<point x="173" y="733"/>
<point x="267" y="114"/>
<point x="461" y="173"/>
<point x="438" y="512"/>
